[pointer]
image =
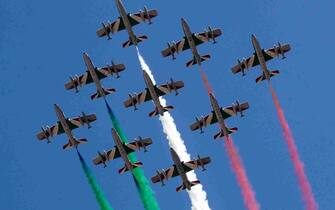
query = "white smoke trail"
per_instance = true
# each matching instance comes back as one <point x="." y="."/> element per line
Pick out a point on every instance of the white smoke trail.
<point x="197" y="195"/>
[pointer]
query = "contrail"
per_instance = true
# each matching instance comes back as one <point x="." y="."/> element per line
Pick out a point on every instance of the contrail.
<point x="143" y="187"/>
<point x="197" y="195"/>
<point x="304" y="184"/>
<point x="103" y="203"/>
<point x="237" y="166"/>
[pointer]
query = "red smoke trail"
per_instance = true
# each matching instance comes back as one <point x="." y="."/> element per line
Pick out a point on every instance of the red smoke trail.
<point x="248" y="194"/>
<point x="236" y="163"/>
<point x="205" y="80"/>
<point x="304" y="184"/>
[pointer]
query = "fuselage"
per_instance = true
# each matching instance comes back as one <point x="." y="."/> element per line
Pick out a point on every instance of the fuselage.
<point x="67" y="130"/>
<point x="91" y="70"/>
<point x="190" y="40"/>
<point x="121" y="149"/>
<point x="260" y="56"/>
<point x="126" y="21"/>
<point x="180" y="169"/>
<point x="218" y="113"/>
<point x="152" y="92"/>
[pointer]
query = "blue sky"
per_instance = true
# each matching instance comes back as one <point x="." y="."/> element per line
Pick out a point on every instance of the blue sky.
<point x="41" y="45"/>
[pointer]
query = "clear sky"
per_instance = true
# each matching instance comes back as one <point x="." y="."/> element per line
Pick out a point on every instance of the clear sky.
<point x="41" y="45"/>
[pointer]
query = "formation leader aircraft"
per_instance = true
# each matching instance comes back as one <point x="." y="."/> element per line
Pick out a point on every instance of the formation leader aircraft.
<point x="153" y="92"/>
<point x="218" y="115"/>
<point x="94" y="74"/>
<point x="122" y="150"/>
<point x="190" y="41"/>
<point x="180" y="168"/>
<point x="260" y="57"/>
<point x="127" y="21"/>
<point x="66" y="125"/>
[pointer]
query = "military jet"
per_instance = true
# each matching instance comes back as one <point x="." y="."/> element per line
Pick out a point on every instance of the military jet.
<point x="219" y="115"/>
<point x="122" y="150"/>
<point x="260" y="57"/>
<point x="180" y="168"/>
<point x="190" y="41"/>
<point x="127" y="21"/>
<point x="94" y="74"/>
<point x="153" y="92"/>
<point x="66" y="125"/>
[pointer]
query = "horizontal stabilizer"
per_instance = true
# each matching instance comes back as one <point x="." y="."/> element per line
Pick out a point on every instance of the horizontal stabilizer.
<point x="222" y="133"/>
<point x="272" y="73"/>
<point x="106" y="91"/>
<point x="194" y="61"/>
<point x="183" y="186"/>
<point x="156" y="112"/>
<point x="77" y="142"/>
<point x="139" y="39"/>
<point x="125" y="168"/>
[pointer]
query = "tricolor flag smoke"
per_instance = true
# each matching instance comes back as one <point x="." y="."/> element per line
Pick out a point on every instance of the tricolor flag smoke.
<point x="197" y="194"/>
<point x="103" y="203"/>
<point x="304" y="184"/>
<point x="143" y="187"/>
<point x="236" y="163"/>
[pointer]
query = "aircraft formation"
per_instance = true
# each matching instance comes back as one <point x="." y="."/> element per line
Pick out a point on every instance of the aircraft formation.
<point x="152" y="92"/>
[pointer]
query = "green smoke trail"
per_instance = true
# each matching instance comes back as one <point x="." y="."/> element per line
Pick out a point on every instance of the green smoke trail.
<point x="147" y="195"/>
<point x="104" y="204"/>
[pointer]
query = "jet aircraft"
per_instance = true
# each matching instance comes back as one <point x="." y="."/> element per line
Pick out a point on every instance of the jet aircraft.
<point x="122" y="150"/>
<point x="190" y="41"/>
<point x="66" y="125"/>
<point x="218" y="115"/>
<point x="94" y="74"/>
<point x="180" y="168"/>
<point x="153" y="92"/>
<point x="260" y="57"/>
<point x="127" y="21"/>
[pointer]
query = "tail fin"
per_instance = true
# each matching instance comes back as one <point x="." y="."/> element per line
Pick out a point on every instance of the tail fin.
<point x="165" y="109"/>
<point x="125" y="168"/>
<point x="107" y="91"/>
<point x="194" y="61"/>
<point x="183" y="186"/>
<point x="272" y="73"/>
<point x="139" y="39"/>
<point x="222" y="133"/>
<point x="78" y="141"/>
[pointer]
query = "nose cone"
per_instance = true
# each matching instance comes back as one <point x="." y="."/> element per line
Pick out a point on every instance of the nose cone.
<point x="253" y="37"/>
<point x="57" y="108"/>
<point x="183" y="22"/>
<point x="85" y="56"/>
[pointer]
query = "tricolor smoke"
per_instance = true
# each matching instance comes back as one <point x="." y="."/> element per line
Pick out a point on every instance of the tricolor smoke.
<point x="103" y="203"/>
<point x="304" y="184"/>
<point x="197" y="194"/>
<point x="143" y="187"/>
<point x="235" y="160"/>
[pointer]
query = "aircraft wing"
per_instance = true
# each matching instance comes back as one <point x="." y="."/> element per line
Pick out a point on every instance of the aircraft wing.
<point x="211" y="118"/>
<point x="206" y="36"/>
<point x="79" y="121"/>
<point x="176" y="47"/>
<point x="141" y="16"/>
<point x="165" y="174"/>
<point x="137" y="144"/>
<point x="114" y="27"/>
<point x="73" y="124"/>
<point x="109" y="70"/>
<point x="193" y="164"/>
<point x="110" y="155"/>
<point x="168" y="87"/>
<point x="138" y="98"/>
<point x="276" y="51"/>
<point x="246" y="64"/>
<point x="52" y="131"/>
